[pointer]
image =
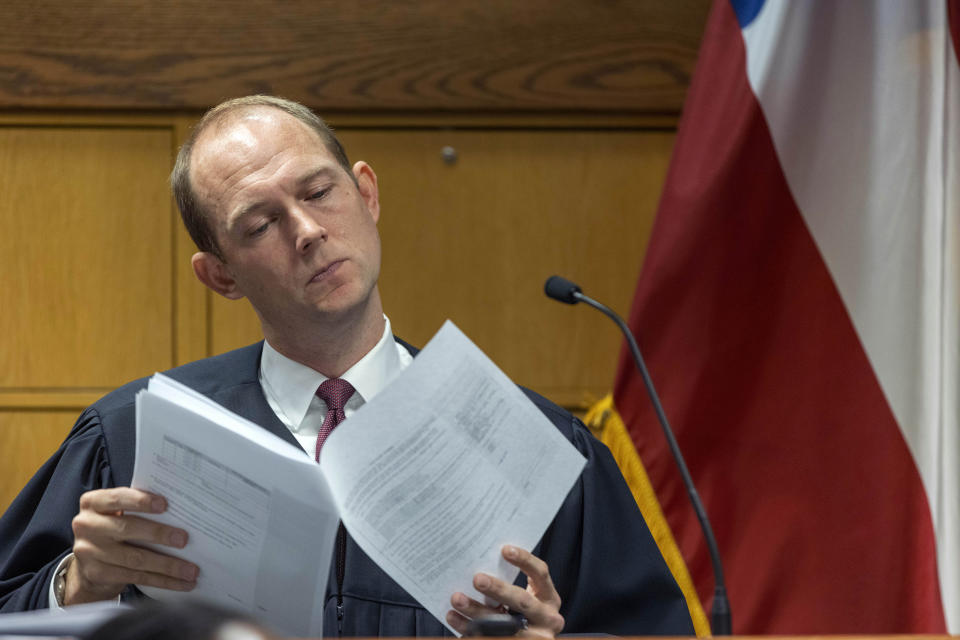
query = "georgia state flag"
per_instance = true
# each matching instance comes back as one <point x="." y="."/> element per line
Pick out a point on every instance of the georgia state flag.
<point x="798" y="308"/>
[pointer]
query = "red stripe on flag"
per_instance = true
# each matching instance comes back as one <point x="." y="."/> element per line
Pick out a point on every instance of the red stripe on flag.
<point x="818" y="508"/>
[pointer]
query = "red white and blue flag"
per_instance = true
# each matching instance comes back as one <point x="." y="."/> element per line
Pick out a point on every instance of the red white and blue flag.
<point x="798" y="308"/>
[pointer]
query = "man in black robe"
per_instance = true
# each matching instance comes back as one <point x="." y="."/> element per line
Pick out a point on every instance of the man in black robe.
<point x="281" y="218"/>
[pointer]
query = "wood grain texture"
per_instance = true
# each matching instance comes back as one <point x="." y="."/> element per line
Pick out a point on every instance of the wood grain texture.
<point x="85" y="256"/>
<point x="474" y="242"/>
<point x="27" y="438"/>
<point x="501" y="55"/>
<point x="74" y="399"/>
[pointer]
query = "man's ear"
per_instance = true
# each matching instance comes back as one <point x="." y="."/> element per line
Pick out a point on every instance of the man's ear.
<point x="213" y="272"/>
<point x="367" y="184"/>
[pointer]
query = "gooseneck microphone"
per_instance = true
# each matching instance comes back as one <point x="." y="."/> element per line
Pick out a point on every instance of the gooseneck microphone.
<point x="563" y="290"/>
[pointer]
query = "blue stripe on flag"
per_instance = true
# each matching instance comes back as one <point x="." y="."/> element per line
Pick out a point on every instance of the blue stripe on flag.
<point x="746" y="10"/>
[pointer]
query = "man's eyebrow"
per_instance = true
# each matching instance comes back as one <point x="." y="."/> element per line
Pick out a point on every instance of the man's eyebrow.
<point x="325" y="172"/>
<point x="245" y="211"/>
<point x="255" y="206"/>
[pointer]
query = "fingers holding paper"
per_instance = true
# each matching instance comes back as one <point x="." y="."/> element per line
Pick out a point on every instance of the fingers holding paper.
<point x="539" y="603"/>
<point x="105" y="556"/>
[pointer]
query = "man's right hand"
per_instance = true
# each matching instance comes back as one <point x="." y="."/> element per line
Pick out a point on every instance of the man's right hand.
<point x="105" y="556"/>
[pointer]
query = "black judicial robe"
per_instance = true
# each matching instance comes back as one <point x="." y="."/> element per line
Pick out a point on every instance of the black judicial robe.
<point x="603" y="560"/>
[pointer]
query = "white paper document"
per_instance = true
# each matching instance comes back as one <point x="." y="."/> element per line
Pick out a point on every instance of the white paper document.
<point x="260" y="518"/>
<point x="431" y="478"/>
<point x="444" y="467"/>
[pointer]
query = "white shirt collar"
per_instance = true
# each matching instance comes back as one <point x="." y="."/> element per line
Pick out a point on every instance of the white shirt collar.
<point x="290" y="386"/>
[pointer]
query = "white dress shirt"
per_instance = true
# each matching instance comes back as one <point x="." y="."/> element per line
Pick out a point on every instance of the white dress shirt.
<point x="291" y="388"/>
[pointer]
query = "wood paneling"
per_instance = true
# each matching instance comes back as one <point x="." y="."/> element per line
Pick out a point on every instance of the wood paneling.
<point x="475" y="240"/>
<point x="503" y="55"/>
<point x="27" y="439"/>
<point x="85" y="256"/>
<point x="98" y="290"/>
<point x="72" y="399"/>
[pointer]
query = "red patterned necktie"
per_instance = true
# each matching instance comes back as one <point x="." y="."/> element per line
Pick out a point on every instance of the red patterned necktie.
<point x="335" y="393"/>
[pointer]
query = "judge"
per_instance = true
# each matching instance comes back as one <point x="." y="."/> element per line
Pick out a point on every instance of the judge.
<point x="281" y="218"/>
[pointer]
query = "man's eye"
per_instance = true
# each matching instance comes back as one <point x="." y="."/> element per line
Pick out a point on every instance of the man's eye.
<point x="319" y="194"/>
<point x="256" y="231"/>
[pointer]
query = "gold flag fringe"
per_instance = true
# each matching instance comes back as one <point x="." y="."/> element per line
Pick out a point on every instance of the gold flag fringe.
<point x="607" y="425"/>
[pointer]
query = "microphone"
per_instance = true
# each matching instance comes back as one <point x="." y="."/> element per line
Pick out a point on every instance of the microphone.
<point x="563" y="290"/>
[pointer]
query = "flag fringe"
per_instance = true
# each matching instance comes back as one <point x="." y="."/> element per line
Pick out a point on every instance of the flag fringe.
<point x="607" y="425"/>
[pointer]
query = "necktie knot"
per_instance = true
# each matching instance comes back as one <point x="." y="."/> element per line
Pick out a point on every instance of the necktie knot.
<point x="335" y="393"/>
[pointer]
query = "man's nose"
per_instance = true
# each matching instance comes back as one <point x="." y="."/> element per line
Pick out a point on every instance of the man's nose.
<point x="307" y="228"/>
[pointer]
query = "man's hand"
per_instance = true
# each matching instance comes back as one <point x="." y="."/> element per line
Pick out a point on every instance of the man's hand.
<point x="105" y="561"/>
<point x="539" y="603"/>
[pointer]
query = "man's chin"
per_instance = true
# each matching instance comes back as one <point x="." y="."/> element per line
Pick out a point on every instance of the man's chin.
<point x="342" y="303"/>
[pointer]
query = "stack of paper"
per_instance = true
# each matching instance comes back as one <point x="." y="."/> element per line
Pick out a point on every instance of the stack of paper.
<point x="431" y="478"/>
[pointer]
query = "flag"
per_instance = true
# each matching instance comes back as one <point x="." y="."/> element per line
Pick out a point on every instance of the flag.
<point x="798" y="309"/>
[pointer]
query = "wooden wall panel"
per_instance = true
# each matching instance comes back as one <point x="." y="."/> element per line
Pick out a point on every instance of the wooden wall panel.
<point x="94" y="267"/>
<point x="86" y="272"/>
<point x="85" y="256"/>
<point x="376" y="55"/>
<point x="27" y="438"/>
<point x="475" y="240"/>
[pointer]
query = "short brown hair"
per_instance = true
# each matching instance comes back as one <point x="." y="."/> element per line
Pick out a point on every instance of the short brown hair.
<point x="195" y="217"/>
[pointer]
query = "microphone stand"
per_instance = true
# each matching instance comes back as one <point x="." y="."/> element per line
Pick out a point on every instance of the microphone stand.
<point x="720" y="615"/>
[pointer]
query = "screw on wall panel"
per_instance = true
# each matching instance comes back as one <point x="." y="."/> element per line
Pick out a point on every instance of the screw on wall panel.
<point x="449" y="155"/>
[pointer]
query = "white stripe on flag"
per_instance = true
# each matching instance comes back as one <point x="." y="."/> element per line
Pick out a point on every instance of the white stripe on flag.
<point x="863" y="106"/>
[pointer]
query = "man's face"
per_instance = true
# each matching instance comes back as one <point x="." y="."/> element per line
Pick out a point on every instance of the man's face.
<point x="298" y="237"/>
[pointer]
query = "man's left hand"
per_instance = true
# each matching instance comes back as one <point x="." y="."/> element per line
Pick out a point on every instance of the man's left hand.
<point x="539" y="603"/>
